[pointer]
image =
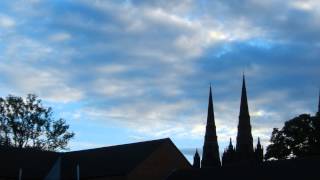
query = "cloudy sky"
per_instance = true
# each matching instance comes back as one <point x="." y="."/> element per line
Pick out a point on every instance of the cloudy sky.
<point x="130" y="70"/>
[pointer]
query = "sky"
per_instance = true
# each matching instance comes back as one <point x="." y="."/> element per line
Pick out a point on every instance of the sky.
<point x="125" y="71"/>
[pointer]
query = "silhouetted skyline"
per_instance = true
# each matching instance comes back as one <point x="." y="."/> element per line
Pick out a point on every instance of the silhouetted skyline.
<point x="126" y="71"/>
<point x="244" y="152"/>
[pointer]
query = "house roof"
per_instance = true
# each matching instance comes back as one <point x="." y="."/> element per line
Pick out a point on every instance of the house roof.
<point x="106" y="161"/>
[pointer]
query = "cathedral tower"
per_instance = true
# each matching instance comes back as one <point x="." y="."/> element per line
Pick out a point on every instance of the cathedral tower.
<point x="244" y="147"/>
<point x="210" y="154"/>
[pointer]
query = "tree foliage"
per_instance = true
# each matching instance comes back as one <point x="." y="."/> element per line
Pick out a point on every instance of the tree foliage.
<point x="300" y="137"/>
<point x="27" y="123"/>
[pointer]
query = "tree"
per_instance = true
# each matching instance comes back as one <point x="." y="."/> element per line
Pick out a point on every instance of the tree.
<point x="26" y="123"/>
<point x="300" y="137"/>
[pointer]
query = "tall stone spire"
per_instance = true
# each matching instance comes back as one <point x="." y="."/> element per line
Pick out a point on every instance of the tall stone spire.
<point x="210" y="154"/>
<point x="244" y="110"/>
<point x="244" y="147"/>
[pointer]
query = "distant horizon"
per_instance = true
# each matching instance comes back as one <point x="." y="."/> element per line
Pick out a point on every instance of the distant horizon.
<point x="133" y="70"/>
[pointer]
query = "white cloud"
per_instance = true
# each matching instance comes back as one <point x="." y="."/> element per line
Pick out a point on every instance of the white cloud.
<point x="198" y="130"/>
<point x="119" y="88"/>
<point x="60" y="37"/>
<point x="184" y="37"/>
<point x="156" y="119"/>
<point x="49" y="84"/>
<point x="305" y="5"/>
<point x="20" y="48"/>
<point x="6" y="21"/>
<point x="113" y="69"/>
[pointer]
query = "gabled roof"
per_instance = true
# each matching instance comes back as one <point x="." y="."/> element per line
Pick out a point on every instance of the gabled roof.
<point x="106" y="161"/>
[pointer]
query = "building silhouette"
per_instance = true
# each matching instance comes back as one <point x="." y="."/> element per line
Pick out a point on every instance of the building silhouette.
<point x="244" y="152"/>
<point x="155" y="159"/>
<point x="244" y="161"/>
<point x="244" y="147"/>
<point x="210" y="153"/>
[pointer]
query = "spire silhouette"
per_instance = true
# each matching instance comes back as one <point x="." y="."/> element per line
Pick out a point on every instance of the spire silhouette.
<point x="228" y="155"/>
<point x="244" y="147"/>
<point x="210" y="154"/>
<point x="259" y="152"/>
<point x="230" y="145"/>
<point x="244" y="110"/>
<point x="196" y="160"/>
<point x="258" y="144"/>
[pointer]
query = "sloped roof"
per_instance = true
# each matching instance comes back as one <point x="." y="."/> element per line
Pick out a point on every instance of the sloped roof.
<point x="98" y="162"/>
<point x="108" y="161"/>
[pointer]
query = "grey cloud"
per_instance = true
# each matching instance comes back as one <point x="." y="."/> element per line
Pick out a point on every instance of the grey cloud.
<point x="278" y="19"/>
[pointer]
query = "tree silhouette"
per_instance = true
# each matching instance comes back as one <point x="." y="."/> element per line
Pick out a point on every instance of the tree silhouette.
<point x="27" y="123"/>
<point x="300" y="137"/>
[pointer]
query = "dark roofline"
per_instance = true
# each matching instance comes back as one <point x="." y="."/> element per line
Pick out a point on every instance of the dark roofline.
<point x="82" y="150"/>
<point x="93" y="149"/>
<point x="153" y="143"/>
<point x="119" y="145"/>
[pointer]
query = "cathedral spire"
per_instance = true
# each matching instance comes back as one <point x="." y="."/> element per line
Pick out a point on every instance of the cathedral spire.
<point x="210" y="154"/>
<point x="244" y="110"/>
<point x="244" y="147"/>
<point x="259" y="152"/>
<point x="230" y="147"/>
<point x="196" y="160"/>
<point x="258" y="144"/>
